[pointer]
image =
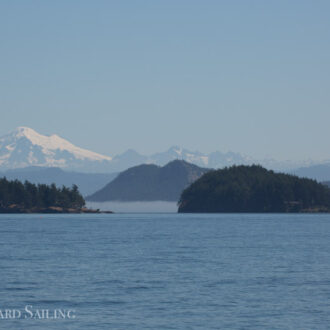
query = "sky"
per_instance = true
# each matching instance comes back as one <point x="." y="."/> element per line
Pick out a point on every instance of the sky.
<point x="247" y="76"/>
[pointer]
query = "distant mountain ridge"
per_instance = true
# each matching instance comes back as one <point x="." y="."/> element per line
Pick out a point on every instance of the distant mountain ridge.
<point x="149" y="182"/>
<point x="215" y="159"/>
<point x="319" y="172"/>
<point x="25" y="147"/>
<point x="87" y="183"/>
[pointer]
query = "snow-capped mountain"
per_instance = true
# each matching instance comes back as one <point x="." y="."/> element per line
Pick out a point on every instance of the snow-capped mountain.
<point x="218" y="159"/>
<point x="213" y="160"/>
<point x="175" y="152"/>
<point x="25" y="147"/>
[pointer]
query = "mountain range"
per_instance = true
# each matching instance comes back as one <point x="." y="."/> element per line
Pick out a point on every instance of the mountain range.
<point x="87" y="183"/>
<point x="25" y="147"/>
<point x="319" y="172"/>
<point x="149" y="182"/>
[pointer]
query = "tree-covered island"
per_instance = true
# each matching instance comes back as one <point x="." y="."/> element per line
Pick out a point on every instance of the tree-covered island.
<point x="18" y="197"/>
<point x="253" y="189"/>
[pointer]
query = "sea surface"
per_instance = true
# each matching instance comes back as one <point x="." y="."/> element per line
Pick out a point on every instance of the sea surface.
<point x="165" y="271"/>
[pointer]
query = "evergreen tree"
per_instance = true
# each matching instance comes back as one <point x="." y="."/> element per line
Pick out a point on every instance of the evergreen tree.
<point x="28" y="195"/>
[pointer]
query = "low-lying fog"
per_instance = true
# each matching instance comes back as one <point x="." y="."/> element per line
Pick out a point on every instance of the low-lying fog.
<point x="135" y="207"/>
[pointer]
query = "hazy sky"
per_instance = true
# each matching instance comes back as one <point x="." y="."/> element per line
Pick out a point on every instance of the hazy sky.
<point x="246" y="76"/>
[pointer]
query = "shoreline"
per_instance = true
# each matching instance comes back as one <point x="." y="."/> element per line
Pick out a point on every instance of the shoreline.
<point x="15" y="209"/>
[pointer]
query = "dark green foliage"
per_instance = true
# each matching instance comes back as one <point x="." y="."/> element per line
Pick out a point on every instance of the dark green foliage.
<point x="29" y="195"/>
<point x="253" y="189"/>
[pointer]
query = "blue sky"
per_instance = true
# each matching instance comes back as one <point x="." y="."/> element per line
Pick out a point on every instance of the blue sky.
<point x="246" y="76"/>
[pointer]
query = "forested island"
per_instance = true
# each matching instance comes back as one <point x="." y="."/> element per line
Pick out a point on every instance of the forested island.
<point x="18" y="197"/>
<point x="253" y="189"/>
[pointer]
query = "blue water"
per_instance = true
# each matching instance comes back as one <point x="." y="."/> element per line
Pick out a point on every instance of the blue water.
<point x="166" y="271"/>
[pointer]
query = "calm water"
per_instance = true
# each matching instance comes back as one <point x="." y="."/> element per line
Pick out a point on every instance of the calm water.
<point x="158" y="271"/>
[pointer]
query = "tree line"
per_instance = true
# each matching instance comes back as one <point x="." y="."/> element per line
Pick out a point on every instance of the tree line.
<point x="28" y="195"/>
<point x="253" y="189"/>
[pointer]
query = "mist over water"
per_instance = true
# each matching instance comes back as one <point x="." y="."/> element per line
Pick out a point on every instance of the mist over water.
<point x="135" y="207"/>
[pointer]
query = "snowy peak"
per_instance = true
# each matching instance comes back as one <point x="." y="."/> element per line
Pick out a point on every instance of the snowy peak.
<point x="176" y="152"/>
<point x="54" y="142"/>
<point x="23" y="131"/>
<point x="26" y="147"/>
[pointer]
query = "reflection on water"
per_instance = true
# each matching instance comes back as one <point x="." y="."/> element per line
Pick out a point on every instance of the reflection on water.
<point x="135" y="207"/>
